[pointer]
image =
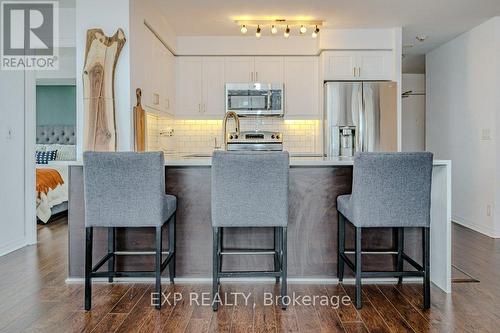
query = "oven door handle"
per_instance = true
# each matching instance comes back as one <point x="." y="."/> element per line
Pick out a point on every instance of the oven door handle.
<point x="268" y="100"/>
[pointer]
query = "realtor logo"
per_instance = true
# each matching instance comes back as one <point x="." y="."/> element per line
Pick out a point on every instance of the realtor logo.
<point x="29" y="35"/>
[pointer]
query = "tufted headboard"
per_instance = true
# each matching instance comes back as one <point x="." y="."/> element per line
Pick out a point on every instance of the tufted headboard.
<point x="56" y="134"/>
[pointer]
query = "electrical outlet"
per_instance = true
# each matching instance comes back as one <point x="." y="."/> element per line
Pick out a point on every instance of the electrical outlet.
<point x="9" y="133"/>
<point x="488" y="210"/>
<point x="156" y="99"/>
<point x="485" y="134"/>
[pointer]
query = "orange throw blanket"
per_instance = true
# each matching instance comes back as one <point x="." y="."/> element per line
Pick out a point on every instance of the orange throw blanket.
<point x="47" y="179"/>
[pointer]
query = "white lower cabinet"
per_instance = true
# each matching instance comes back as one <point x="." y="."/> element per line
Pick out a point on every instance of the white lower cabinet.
<point x="301" y="87"/>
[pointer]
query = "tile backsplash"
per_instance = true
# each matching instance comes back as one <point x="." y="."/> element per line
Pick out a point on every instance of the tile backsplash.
<point x="199" y="136"/>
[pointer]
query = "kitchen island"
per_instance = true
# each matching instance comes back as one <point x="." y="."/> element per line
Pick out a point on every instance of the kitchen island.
<point x="315" y="183"/>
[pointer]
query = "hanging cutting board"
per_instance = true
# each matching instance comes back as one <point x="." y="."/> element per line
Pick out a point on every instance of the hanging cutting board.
<point x="139" y="123"/>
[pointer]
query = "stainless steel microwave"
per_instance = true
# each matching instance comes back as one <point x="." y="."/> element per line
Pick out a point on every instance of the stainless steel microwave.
<point x="255" y="99"/>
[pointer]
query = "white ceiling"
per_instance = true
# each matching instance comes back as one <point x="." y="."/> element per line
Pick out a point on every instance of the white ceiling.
<point x="441" y="20"/>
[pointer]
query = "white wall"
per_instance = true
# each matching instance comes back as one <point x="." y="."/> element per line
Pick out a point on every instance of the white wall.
<point x="462" y="105"/>
<point x="353" y="39"/>
<point x="247" y="45"/>
<point x="107" y="15"/>
<point x="413" y="113"/>
<point x="17" y="172"/>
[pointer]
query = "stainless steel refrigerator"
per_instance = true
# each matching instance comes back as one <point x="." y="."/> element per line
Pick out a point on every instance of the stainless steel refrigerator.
<point x="360" y="116"/>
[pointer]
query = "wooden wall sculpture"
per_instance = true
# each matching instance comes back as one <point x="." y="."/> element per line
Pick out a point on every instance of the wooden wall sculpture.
<point x="139" y="123"/>
<point x="101" y="56"/>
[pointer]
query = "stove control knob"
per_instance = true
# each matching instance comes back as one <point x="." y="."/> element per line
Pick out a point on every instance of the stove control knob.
<point x="231" y="137"/>
<point x="277" y="136"/>
<point x="272" y="136"/>
<point x="236" y="136"/>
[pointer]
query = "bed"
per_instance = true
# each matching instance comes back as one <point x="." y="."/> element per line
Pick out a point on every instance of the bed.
<point x="52" y="186"/>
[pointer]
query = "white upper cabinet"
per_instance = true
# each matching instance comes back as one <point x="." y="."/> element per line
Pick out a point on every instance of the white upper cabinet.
<point x="301" y="87"/>
<point x="189" y="82"/>
<point x="340" y="65"/>
<point x="213" y="87"/>
<point x="357" y="65"/>
<point x="158" y="84"/>
<point x="268" y="69"/>
<point x="238" y="69"/>
<point x="375" y="65"/>
<point x="201" y="87"/>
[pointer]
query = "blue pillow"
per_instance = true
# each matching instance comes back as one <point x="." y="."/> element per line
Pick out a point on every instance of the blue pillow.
<point x="43" y="157"/>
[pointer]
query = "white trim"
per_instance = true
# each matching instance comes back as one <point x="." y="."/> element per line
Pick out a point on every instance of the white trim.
<point x="12" y="246"/>
<point x="492" y="233"/>
<point x="208" y="280"/>
<point x="30" y="233"/>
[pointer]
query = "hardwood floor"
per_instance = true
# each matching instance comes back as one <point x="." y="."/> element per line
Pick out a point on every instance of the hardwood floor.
<point x="35" y="298"/>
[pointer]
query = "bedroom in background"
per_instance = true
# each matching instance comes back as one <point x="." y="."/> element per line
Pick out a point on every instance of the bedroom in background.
<point x="55" y="131"/>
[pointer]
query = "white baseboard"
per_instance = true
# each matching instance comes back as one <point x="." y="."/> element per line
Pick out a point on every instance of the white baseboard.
<point x="490" y="232"/>
<point x="207" y="280"/>
<point x="12" y="246"/>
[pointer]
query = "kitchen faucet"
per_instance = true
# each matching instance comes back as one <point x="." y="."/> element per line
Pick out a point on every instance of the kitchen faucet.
<point x="230" y="114"/>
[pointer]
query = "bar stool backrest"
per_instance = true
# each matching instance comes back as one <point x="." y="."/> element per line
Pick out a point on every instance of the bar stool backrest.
<point x="250" y="189"/>
<point x="123" y="189"/>
<point x="392" y="189"/>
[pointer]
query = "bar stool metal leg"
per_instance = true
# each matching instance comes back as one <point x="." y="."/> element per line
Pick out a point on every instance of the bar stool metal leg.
<point x="341" y="242"/>
<point x="401" y="247"/>
<point x="88" y="267"/>
<point x="277" y="251"/>
<point x="171" y="247"/>
<point x="358" y="268"/>
<point x="215" y="267"/>
<point x="111" y="249"/>
<point x="426" y="264"/>
<point x="284" y="243"/>
<point x="158" y="265"/>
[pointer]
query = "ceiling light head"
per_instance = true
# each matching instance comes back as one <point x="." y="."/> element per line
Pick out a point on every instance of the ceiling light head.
<point x="274" y="30"/>
<point x="421" y="38"/>
<point x="287" y="32"/>
<point x="257" y="33"/>
<point x="315" y="32"/>
<point x="302" y="29"/>
<point x="243" y="29"/>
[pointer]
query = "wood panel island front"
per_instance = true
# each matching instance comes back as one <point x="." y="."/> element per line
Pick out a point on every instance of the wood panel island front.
<point x="315" y="183"/>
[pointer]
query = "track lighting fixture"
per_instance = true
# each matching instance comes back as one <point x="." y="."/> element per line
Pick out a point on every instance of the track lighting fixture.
<point x="287" y="32"/>
<point x="276" y="25"/>
<point x="315" y="32"/>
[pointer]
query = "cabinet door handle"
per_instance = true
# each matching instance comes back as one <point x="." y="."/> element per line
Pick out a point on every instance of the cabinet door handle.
<point x="251" y="76"/>
<point x="199" y="107"/>
<point x="204" y="108"/>
<point x="354" y="71"/>
<point x="256" y="76"/>
<point x="359" y="71"/>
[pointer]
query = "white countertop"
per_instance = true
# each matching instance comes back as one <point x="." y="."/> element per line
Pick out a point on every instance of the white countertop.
<point x="187" y="161"/>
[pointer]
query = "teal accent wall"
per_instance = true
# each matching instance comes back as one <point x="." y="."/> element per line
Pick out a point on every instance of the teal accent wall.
<point x="55" y="105"/>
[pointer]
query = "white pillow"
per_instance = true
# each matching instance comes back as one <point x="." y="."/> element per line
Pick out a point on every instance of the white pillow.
<point x="40" y="147"/>
<point x="64" y="152"/>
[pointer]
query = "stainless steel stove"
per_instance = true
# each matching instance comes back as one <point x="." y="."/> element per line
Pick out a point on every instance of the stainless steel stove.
<point x="255" y="140"/>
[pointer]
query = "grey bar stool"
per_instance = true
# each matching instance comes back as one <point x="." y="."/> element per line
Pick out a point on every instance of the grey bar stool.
<point x="127" y="189"/>
<point x="263" y="179"/>
<point x="388" y="190"/>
